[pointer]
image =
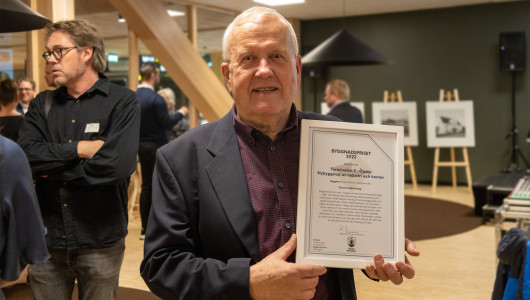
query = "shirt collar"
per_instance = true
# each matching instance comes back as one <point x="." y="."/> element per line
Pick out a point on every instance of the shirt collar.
<point x="102" y="85"/>
<point x="340" y="102"/>
<point x="250" y="133"/>
<point x="147" y="86"/>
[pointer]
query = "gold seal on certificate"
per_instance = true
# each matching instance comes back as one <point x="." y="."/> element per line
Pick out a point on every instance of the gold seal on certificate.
<point x="350" y="196"/>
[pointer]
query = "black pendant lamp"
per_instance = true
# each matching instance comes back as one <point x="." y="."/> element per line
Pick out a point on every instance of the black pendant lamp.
<point x="16" y="16"/>
<point x="343" y="49"/>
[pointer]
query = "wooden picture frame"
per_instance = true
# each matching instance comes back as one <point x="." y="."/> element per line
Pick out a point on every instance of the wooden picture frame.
<point x="450" y="124"/>
<point x="398" y="114"/>
<point x="350" y="194"/>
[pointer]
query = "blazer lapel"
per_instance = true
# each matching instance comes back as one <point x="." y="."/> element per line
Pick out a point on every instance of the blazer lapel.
<point x="227" y="176"/>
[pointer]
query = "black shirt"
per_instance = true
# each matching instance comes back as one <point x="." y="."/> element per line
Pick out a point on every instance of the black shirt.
<point x="83" y="201"/>
<point x="10" y="125"/>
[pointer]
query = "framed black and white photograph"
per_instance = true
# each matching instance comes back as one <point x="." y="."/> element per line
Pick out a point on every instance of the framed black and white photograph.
<point x="324" y="109"/>
<point x="450" y="124"/>
<point x="398" y="114"/>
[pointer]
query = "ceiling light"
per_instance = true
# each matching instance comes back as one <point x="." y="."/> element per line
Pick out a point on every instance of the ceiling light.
<point x="174" y="13"/>
<point x="343" y="49"/>
<point x="16" y="16"/>
<point x="121" y="19"/>
<point x="279" y="2"/>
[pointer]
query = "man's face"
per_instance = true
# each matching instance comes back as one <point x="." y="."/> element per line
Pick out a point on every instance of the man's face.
<point x="71" y="65"/>
<point x="25" y="92"/>
<point x="329" y="97"/>
<point x="48" y="76"/>
<point x="262" y="75"/>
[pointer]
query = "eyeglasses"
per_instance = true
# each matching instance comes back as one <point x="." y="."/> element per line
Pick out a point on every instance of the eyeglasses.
<point x="57" y="53"/>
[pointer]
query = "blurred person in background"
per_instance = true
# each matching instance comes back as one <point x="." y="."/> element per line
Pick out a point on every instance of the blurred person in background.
<point x="48" y="75"/>
<point x="337" y="97"/>
<point x="182" y="125"/>
<point x="10" y="118"/>
<point x="26" y="93"/>
<point x="155" y="122"/>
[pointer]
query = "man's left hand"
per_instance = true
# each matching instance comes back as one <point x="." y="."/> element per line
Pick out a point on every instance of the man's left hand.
<point x="87" y="149"/>
<point x="388" y="271"/>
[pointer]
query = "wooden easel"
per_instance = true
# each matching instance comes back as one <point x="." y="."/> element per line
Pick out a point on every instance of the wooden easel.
<point x="452" y="163"/>
<point x="409" y="161"/>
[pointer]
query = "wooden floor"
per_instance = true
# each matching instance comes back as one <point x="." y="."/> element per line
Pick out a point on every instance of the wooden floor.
<point x="459" y="267"/>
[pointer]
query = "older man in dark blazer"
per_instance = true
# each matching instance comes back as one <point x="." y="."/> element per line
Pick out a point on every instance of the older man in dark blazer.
<point x="222" y="222"/>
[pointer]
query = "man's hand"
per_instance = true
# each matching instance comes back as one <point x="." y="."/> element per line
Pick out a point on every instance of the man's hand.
<point x="275" y="278"/>
<point x="184" y="110"/>
<point x="87" y="149"/>
<point x="388" y="271"/>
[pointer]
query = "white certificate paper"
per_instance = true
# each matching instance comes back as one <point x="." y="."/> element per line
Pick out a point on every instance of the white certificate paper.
<point x="350" y="196"/>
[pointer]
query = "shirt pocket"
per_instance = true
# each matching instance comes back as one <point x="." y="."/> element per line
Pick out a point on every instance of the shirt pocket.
<point x="94" y="130"/>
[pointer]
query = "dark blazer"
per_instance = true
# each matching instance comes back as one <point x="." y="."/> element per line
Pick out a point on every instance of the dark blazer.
<point x="346" y="112"/>
<point x="20" y="109"/>
<point x="201" y="236"/>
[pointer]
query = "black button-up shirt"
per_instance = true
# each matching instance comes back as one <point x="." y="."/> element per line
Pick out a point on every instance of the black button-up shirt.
<point x="83" y="201"/>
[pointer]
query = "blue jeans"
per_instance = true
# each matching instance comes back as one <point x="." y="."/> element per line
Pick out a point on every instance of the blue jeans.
<point x="97" y="272"/>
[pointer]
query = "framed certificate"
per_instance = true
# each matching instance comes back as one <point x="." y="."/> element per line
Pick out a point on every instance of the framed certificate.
<point x="350" y="194"/>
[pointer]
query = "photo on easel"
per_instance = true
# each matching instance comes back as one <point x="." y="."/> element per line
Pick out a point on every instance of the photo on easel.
<point x="450" y="124"/>
<point x="398" y="114"/>
<point x="324" y="109"/>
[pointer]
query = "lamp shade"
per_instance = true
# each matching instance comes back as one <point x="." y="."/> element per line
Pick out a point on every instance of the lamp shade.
<point x="342" y="49"/>
<point x="16" y="16"/>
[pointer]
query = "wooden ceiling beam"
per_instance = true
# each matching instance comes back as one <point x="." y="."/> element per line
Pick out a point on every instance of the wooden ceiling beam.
<point x="119" y="37"/>
<point x="205" y="6"/>
<point x="166" y="40"/>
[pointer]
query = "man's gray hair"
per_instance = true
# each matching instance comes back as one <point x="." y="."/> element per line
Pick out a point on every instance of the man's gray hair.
<point x="254" y="13"/>
<point x="341" y="87"/>
<point x="83" y="34"/>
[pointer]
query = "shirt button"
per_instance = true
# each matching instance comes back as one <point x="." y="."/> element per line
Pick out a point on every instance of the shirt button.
<point x="288" y="225"/>
<point x="64" y="236"/>
<point x="65" y="205"/>
<point x="73" y="121"/>
<point x="69" y="141"/>
<point x="77" y="101"/>
<point x="280" y="184"/>
<point x="273" y="148"/>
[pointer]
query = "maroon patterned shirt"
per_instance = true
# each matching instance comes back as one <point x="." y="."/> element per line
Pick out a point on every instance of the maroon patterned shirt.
<point x="271" y="170"/>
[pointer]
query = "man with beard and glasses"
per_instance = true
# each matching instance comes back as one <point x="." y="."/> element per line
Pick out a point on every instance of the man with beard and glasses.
<point x="81" y="141"/>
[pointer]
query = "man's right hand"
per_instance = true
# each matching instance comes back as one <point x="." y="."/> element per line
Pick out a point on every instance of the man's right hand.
<point x="87" y="149"/>
<point x="275" y="278"/>
<point x="184" y="110"/>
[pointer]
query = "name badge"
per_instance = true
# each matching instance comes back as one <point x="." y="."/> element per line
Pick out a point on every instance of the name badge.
<point x="92" y="127"/>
